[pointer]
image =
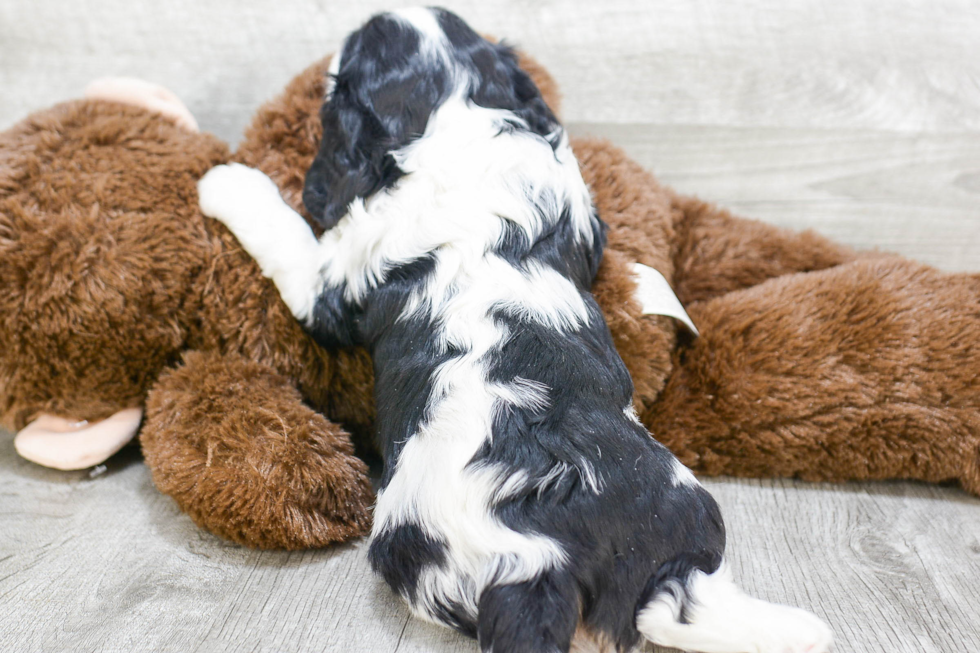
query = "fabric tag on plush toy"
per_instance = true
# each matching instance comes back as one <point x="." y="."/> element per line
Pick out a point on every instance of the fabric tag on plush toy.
<point x="657" y="297"/>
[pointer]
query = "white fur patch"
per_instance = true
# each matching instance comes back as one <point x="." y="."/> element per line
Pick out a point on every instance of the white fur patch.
<point x="332" y="70"/>
<point x="682" y="475"/>
<point x="424" y="22"/>
<point x="630" y="412"/>
<point x="461" y="177"/>
<point x="532" y="395"/>
<point x="722" y="619"/>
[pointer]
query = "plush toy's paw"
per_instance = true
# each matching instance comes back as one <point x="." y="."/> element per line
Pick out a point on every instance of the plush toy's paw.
<point x="233" y="443"/>
<point x="140" y="93"/>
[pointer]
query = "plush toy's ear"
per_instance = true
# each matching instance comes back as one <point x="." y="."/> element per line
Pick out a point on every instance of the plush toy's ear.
<point x="140" y="93"/>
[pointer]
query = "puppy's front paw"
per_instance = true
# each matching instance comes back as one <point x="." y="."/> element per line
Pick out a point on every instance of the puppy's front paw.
<point x="236" y="194"/>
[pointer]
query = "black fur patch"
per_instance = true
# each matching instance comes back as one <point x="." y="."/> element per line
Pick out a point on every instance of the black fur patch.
<point x="400" y="554"/>
<point x="617" y="538"/>
<point x="403" y="351"/>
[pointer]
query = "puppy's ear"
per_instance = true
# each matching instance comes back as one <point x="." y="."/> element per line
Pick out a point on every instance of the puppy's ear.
<point x="530" y="104"/>
<point x="541" y="78"/>
<point x="499" y="82"/>
<point x="352" y="161"/>
<point x="382" y="97"/>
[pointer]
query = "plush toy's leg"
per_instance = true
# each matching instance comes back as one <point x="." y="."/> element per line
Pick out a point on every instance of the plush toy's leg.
<point x="868" y="370"/>
<point x="232" y="442"/>
<point x="719" y="253"/>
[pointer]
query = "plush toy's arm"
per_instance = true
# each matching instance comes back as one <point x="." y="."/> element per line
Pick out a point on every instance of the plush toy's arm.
<point x="233" y="443"/>
<point x="283" y="245"/>
<point x="718" y="253"/>
<point x="866" y="370"/>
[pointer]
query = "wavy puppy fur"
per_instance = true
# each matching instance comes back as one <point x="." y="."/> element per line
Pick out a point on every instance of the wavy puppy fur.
<point x="521" y="495"/>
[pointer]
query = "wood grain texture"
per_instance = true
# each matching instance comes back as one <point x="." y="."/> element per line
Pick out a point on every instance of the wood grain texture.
<point x="907" y="65"/>
<point x="107" y="564"/>
<point x="914" y="194"/>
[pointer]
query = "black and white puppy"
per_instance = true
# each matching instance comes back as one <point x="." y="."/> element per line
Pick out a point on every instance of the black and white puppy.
<point x="521" y="496"/>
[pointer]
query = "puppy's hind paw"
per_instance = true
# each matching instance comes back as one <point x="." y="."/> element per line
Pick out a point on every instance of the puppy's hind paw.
<point x="722" y="619"/>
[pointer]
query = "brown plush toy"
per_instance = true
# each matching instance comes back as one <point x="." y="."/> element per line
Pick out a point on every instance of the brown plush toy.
<point x="115" y="293"/>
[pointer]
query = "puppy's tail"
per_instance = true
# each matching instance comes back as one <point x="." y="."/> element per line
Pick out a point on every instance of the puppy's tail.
<point x="687" y="608"/>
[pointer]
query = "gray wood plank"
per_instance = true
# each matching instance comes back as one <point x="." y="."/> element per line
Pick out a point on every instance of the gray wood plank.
<point x="908" y="65"/>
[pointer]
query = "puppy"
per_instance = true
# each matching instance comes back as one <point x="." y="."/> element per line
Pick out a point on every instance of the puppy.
<point x="521" y="498"/>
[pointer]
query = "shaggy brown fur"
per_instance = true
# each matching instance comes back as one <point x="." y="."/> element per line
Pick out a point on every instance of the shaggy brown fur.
<point x="813" y="362"/>
<point x="83" y="192"/>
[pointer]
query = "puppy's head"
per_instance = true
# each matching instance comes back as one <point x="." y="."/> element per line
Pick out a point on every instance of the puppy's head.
<point x="389" y="78"/>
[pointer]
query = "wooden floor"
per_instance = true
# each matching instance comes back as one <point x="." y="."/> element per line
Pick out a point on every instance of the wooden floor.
<point x="108" y="564"/>
<point x="858" y="118"/>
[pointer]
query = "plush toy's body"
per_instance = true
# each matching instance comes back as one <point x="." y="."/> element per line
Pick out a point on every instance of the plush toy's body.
<point x="115" y="293"/>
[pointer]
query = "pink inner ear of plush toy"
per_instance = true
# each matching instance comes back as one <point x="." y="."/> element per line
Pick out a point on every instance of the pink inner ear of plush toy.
<point x="63" y="444"/>
<point x="140" y="93"/>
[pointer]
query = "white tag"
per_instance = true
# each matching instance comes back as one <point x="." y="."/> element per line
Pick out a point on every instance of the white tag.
<point x="657" y="297"/>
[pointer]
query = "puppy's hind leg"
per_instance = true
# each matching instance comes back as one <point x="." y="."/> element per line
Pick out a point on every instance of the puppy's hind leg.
<point x="536" y="616"/>
<point x="709" y="614"/>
